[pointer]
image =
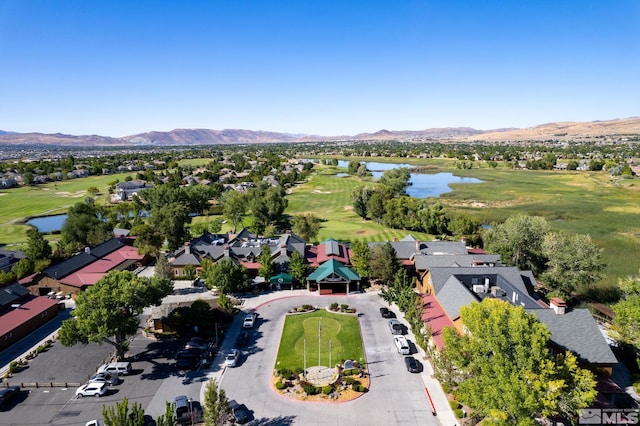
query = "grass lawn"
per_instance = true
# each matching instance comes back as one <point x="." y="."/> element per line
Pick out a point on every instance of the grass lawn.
<point x="340" y="331"/>
<point x="17" y="204"/>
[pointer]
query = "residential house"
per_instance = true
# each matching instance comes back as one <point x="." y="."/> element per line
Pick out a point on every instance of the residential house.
<point x="127" y="190"/>
<point x="9" y="258"/>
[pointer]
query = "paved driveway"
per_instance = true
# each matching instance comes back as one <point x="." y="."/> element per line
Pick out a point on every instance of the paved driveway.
<point x="396" y="397"/>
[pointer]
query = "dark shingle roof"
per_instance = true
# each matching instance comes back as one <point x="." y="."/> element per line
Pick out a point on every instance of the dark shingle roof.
<point x="69" y="266"/>
<point x="577" y="331"/>
<point x="10" y="293"/>
<point x="427" y="261"/>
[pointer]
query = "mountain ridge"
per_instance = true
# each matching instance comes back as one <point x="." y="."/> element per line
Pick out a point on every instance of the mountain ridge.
<point x="554" y="130"/>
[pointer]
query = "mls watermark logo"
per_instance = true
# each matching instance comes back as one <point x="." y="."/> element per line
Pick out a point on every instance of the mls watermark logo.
<point x="590" y="416"/>
<point x="608" y="416"/>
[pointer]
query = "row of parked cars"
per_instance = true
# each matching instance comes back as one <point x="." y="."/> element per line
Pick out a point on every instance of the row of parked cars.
<point x="107" y="375"/>
<point x="398" y="330"/>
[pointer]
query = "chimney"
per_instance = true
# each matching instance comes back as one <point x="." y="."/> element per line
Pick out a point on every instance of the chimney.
<point x="226" y="250"/>
<point x="283" y="249"/>
<point x="417" y="245"/>
<point x="558" y="305"/>
<point x="187" y="248"/>
<point x="463" y="240"/>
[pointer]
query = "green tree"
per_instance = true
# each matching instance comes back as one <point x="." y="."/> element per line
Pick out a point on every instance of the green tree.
<point x="84" y="227"/>
<point x="226" y="276"/>
<point x="360" y="197"/>
<point x="162" y="269"/>
<point x="376" y="206"/>
<point x="267" y="268"/>
<point x="148" y="240"/>
<point x="107" y="312"/>
<point x="383" y="263"/>
<point x="93" y="191"/>
<point x="396" y="179"/>
<point x="467" y="227"/>
<point x="23" y="267"/>
<point x="306" y="225"/>
<point x="216" y="405"/>
<point x="505" y="370"/>
<point x="234" y="207"/>
<point x="626" y="322"/>
<point x="360" y="257"/>
<point x="166" y="419"/>
<point x="267" y="206"/>
<point x="172" y="220"/>
<point x="574" y="262"/>
<point x="298" y="269"/>
<point x="123" y="415"/>
<point x="518" y="241"/>
<point x="37" y="246"/>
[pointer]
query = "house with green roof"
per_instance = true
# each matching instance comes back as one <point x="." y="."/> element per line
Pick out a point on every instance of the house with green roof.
<point x="333" y="277"/>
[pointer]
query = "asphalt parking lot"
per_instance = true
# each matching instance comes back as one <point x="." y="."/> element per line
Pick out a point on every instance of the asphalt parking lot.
<point x="153" y="365"/>
<point x="396" y="397"/>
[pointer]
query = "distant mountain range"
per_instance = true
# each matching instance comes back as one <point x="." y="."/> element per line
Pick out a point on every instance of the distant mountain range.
<point x="559" y="130"/>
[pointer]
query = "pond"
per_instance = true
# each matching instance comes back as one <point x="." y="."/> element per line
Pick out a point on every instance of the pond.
<point x="48" y="224"/>
<point x="422" y="184"/>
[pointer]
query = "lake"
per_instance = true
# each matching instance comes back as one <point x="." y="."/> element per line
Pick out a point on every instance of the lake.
<point x="423" y="185"/>
<point x="48" y="224"/>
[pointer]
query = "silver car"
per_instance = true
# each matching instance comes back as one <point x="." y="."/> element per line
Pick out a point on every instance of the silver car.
<point x="109" y="379"/>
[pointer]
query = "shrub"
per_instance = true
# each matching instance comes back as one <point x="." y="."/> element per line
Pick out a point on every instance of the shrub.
<point x="41" y="348"/>
<point x="13" y="367"/>
<point x="309" y="389"/>
<point x="344" y="306"/>
<point x="458" y="412"/>
<point x="454" y="405"/>
<point x="285" y="373"/>
<point x="359" y="388"/>
<point x="333" y="306"/>
<point x="280" y="385"/>
<point x="307" y="307"/>
<point x="327" y="389"/>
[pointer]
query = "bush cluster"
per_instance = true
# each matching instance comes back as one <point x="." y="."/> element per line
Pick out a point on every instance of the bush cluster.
<point x="309" y="389"/>
<point x="280" y="385"/>
<point x="327" y="389"/>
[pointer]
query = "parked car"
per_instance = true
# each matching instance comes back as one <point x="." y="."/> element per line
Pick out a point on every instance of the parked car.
<point x="119" y="368"/>
<point x="197" y="343"/>
<point x="249" y="320"/>
<point x="243" y="339"/>
<point x="386" y="313"/>
<point x="402" y="345"/>
<point x="182" y="409"/>
<point x="240" y="412"/>
<point x="8" y="394"/>
<point x="92" y="389"/>
<point x="109" y="379"/>
<point x="188" y="359"/>
<point x="412" y="364"/>
<point x="396" y="327"/>
<point x="231" y="360"/>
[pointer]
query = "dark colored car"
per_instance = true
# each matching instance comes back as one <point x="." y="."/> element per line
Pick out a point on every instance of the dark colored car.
<point x="8" y="394"/>
<point x="412" y="364"/>
<point x="240" y="412"/>
<point x="386" y="313"/>
<point x="188" y="359"/>
<point x="243" y="339"/>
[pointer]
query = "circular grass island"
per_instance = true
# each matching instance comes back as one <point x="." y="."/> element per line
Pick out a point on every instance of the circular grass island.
<point x="320" y="357"/>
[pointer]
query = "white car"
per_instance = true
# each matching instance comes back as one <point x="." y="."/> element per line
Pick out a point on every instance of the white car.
<point x="402" y="345"/>
<point x="109" y="379"/>
<point x="249" y="320"/>
<point x="231" y="360"/>
<point x="92" y="389"/>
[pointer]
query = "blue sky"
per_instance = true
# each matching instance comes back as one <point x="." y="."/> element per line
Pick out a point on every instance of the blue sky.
<point x="118" y="68"/>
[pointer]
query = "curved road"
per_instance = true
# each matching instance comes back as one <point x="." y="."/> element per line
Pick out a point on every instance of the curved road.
<point x="396" y="397"/>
